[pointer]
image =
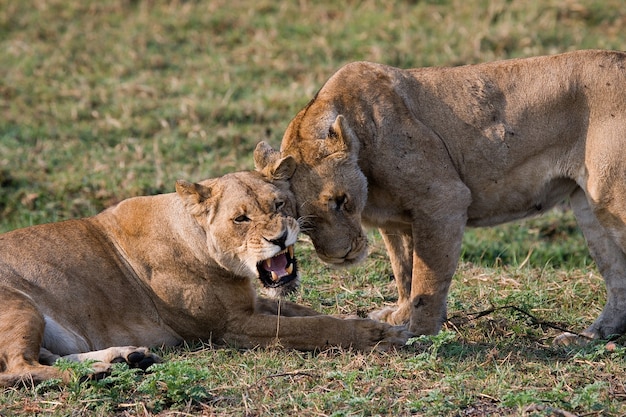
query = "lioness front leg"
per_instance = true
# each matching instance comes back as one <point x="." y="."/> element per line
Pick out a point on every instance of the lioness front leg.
<point x="283" y="307"/>
<point x="399" y="245"/>
<point x="437" y="239"/>
<point x="424" y="260"/>
<point x="314" y="332"/>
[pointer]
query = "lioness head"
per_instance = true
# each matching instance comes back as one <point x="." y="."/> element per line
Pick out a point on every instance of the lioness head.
<point x="330" y="189"/>
<point x="248" y="218"/>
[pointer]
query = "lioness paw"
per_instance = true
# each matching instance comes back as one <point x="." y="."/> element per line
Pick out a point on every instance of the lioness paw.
<point x="571" y="339"/>
<point x="395" y="316"/>
<point x="381" y="336"/>
<point x="136" y="357"/>
<point x="382" y="314"/>
<point x="393" y="336"/>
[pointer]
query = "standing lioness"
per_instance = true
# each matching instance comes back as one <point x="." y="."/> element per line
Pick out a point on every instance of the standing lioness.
<point x="161" y="270"/>
<point x="423" y="153"/>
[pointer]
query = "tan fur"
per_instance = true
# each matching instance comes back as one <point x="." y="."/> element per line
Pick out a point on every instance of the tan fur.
<point x="423" y="153"/>
<point x="160" y="270"/>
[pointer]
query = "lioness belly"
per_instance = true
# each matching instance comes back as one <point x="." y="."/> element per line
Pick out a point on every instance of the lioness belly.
<point x="63" y="336"/>
<point x="493" y="204"/>
<point x="512" y="203"/>
<point x="61" y="340"/>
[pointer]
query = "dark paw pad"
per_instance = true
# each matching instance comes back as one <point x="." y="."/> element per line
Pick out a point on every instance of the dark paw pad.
<point x="141" y="360"/>
<point x="135" y="357"/>
<point x="137" y="360"/>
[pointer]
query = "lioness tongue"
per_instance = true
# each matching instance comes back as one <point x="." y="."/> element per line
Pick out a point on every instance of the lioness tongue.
<point x="276" y="264"/>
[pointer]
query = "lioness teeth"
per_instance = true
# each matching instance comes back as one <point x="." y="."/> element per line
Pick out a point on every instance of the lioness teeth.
<point x="289" y="269"/>
<point x="275" y="276"/>
<point x="290" y="249"/>
<point x="268" y="263"/>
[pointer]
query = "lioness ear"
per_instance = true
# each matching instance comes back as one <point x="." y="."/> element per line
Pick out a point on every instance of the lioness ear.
<point x="192" y="193"/>
<point x="341" y="138"/>
<point x="284" y="168"/>
<point x="268" y="162"/>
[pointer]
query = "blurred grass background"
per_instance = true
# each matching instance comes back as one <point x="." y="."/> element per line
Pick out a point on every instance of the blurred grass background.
<point x="104" y="100"/>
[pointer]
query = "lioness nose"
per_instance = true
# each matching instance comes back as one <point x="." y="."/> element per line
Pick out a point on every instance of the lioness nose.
<point x="280" y="241"/>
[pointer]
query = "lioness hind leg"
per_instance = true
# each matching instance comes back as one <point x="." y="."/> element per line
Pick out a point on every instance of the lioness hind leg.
<point x="606" y="239"/>
<point x="21" y="353"/>
<point x="134" y="357"/>
<point x="21" y="334"/>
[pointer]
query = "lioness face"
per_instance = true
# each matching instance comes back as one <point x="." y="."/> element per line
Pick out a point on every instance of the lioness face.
<point x="257" y="230"/>
<point x="330" y="189"/>
<point x="330" y="198"/>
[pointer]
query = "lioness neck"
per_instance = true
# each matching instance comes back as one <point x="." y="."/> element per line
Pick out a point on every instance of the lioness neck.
<point x="154" y="230"/>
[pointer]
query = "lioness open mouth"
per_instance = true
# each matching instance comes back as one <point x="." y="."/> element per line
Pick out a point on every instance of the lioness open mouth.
<point x="278" y="270"/>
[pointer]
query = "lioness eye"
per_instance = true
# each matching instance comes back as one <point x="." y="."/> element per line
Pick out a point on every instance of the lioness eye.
<point x="241" y="219"/>
<point x="279" y="205"/>
<point x="340" y="202"/>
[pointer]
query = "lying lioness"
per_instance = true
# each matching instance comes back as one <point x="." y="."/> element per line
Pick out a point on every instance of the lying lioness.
<point x="423" y="153"/>
<point x="161" y="270"/>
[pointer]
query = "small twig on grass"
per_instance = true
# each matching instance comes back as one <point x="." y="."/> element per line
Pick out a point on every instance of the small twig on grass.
<point x="282" y="374"/>
<point x="551" y="410"/>
<point x="535" y="320"/>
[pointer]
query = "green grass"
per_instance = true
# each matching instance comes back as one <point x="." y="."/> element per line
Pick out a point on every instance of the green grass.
<point x="105" y="100"/>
